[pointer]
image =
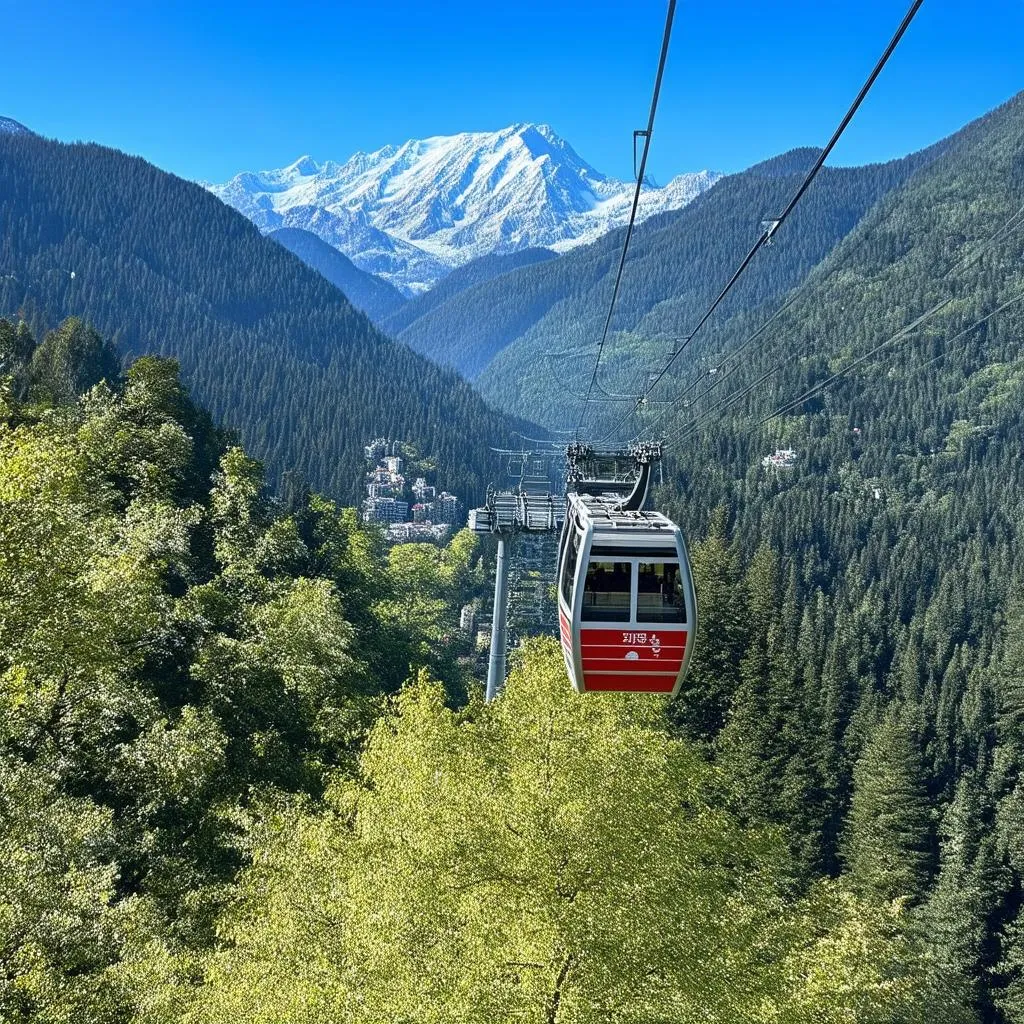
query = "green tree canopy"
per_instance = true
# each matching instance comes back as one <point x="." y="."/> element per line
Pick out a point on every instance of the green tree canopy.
<point x="545" y="858"/>
<point x="71" y="359"/>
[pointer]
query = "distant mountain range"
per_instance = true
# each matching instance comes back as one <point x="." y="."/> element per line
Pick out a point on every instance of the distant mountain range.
<point x="412" y="213"/>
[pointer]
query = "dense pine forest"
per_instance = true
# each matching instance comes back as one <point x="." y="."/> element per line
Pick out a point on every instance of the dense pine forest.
<point x="484" y="268"/>
<point x="246" y="774"/>
<point x="214" y="810"/>
<point x="161" y="266"/>
<point x="373" y="295"/>
<point x="865" y="694"/>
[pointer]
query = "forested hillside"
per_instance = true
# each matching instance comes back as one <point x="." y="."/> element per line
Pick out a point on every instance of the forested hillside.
<point x="209" y="813"/>
<point x="216" y="807"/>
<point x="163" y="267"/>
<point x="676" y="267"/>
<point x="505" y="329"/>
<point x="866" y="693"/>
<point x="485" y="268"/>
<point x="373" y="295"/>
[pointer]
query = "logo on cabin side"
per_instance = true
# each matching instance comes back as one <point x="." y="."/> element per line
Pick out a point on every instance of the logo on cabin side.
<point x="634" y="639"/>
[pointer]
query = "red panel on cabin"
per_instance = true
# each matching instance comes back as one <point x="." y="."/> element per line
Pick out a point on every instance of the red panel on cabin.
<point x="647" y="647"/>
<point x="627" y="634"/>
<point x="647" y="659"/>
<point x="629" y="683"/>
<point x="563" y="624"/>
<point x="593" y="663"/>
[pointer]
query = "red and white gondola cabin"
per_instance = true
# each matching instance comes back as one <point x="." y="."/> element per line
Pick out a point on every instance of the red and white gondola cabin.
<point x="626" y="606"/>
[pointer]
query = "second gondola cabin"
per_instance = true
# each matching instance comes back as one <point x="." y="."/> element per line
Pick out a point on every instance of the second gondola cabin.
<point x="626" y="606"/>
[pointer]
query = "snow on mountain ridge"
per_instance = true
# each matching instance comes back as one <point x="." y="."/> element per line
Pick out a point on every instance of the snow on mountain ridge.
<point x="412" y="212"/>
<point x="11" y="127"/>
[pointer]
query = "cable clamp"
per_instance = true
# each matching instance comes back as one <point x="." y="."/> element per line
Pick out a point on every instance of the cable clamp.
<point x="640" y="133"/>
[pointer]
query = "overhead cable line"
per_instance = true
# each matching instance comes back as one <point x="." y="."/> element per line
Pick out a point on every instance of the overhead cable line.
<point x="722" y="405"/>
<point x="690" y="428"/>
<point x="773" y="226"/>
<point x="605" y="396"/>
<point x="1012" y="224"/>
<point x="812" y="392"/>
<point x="821" y="385"/>
<point x="717" y="370"/>
<point x="636" y="202"/>
<point x="1008" y="228"/>
<point x="540" y="440"/>
<point x="946" y="348"/>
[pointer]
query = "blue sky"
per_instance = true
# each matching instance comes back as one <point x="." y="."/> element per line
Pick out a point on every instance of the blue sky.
<point x="208" y="89"/>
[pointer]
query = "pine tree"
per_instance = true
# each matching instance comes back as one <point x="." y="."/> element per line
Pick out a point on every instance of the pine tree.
<point x="70" y="360"/>
<point x="962" y="909"/>
<point x="714" y="673"/>
<point x="1010" y="997"/>
<point x="16" y="347"/>
<point x="888" y="842"/>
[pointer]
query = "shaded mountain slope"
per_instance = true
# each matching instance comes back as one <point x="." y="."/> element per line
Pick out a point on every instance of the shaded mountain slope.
<point x="486" y="268"/>
<point x="269" y="345"/>
<point x="373" y="295"/>
<point x="954" y="232"/>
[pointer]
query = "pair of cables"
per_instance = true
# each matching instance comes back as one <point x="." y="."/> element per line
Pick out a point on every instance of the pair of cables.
<point x="767" y="233"/>
<point x="1003" y="232"/>
<point x="666" y="36"/>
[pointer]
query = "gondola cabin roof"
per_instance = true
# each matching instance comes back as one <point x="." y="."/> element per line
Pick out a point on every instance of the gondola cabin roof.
<point x="605" y="516"/>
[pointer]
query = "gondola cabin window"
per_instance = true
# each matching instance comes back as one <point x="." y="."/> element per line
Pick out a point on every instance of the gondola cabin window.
<point x="607" y="592"/>
<point x="569" y="571"/>
<point x="659" y="595"/>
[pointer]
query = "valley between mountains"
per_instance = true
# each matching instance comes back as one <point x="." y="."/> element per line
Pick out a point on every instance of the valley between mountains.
<point x="246" y="770"/>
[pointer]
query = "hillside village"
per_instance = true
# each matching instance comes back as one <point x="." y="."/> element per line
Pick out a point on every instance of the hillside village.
<point x="411" y="512"/>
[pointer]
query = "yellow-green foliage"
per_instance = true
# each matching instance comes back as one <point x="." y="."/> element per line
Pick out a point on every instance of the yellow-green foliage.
<point x="545" y="858"/>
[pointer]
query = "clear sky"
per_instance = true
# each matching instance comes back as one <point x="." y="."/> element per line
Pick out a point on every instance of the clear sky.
<point x="206" y="89"/>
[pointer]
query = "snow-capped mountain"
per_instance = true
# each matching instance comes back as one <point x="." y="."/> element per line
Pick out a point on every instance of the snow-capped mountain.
<point x="8" y="126"/>
<point x="411" y="213"/>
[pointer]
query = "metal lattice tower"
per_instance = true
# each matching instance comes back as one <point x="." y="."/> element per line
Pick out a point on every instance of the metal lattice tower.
<point x="530" y="506"/>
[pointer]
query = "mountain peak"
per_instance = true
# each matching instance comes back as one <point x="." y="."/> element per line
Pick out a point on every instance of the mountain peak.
<point x="304" y="166"/>
<point x="793" y="161"/>
<point x="545" y="131"/>
<point x="411" y="213"/>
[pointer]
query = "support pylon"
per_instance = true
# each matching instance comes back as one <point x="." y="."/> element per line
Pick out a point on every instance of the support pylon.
<point x="496" y="665"/>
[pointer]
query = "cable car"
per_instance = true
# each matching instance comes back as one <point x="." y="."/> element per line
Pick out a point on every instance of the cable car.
<point x="627" y="612"/>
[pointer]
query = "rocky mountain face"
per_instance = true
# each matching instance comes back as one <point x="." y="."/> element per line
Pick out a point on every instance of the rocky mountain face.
<point x="412" y="213"/>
